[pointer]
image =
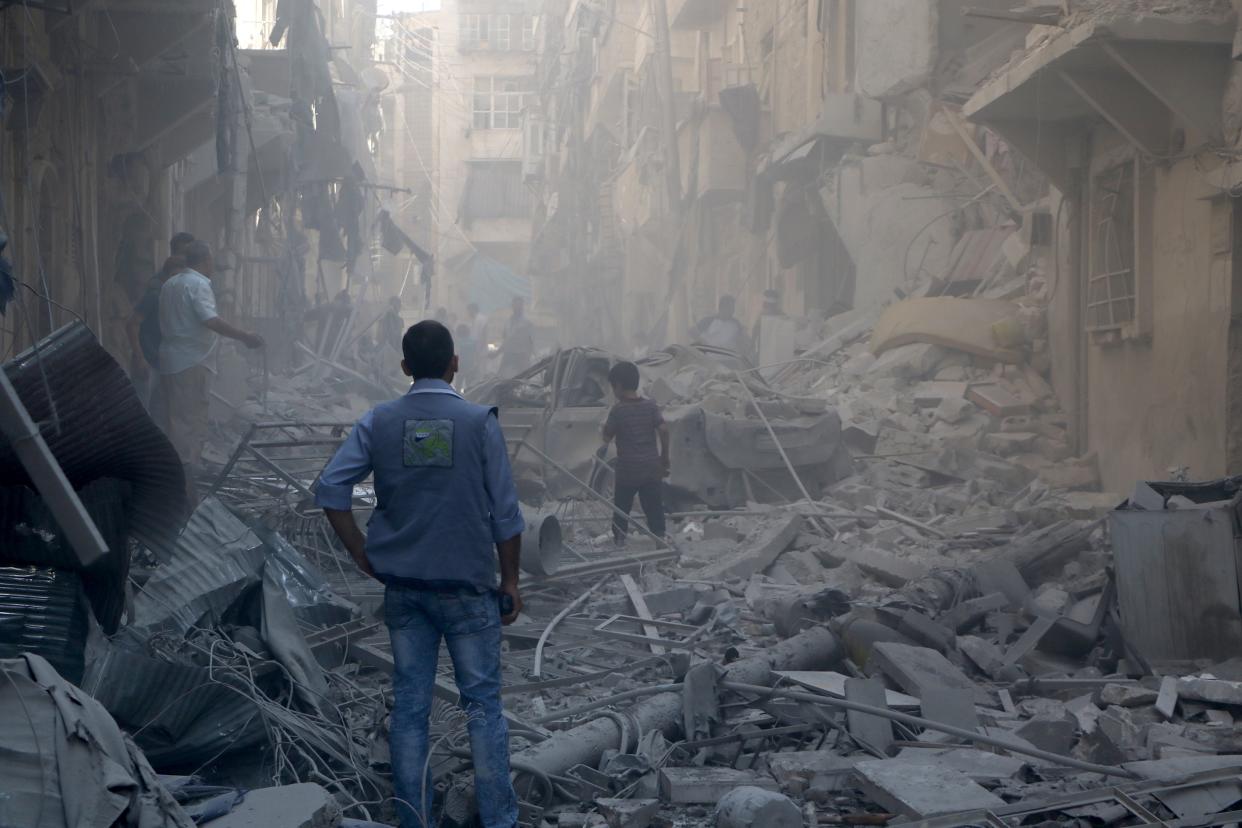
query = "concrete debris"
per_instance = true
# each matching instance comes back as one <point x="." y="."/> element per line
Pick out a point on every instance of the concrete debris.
<point x="747" y="806"/>
<point x="890" y="588"/>
<point x="292" y="806"/>
<point x="919" y="790"/>
<point x="685" y="786"/>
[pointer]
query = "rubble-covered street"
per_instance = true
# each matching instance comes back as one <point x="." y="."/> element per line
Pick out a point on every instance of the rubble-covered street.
<point x="932" y="309"/>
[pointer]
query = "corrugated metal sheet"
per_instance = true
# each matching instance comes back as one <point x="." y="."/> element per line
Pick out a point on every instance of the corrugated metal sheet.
<point x="44" y="611"/>
<point x="28" y="535"/>
<point x="99" y="429"/>
<point x="179" y="714"/>
<point x="216" y="559"/>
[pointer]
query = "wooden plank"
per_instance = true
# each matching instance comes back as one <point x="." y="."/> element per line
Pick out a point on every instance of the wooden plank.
<point x="1002" y="187"/>
<point x="640" y="609"/>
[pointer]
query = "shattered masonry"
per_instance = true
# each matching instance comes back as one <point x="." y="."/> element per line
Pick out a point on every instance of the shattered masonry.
<point x="954" y="529"/>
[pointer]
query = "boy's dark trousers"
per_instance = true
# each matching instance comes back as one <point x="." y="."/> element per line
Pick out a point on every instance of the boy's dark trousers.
<point x="650" y="495"/>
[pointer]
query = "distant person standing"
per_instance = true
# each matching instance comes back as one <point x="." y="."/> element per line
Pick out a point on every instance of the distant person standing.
<point x="637" y="425"/>
<point x="189" y="325"/>
<point x="722" y="330"/>
<point x="467" y="372"/>
<point x="518" y="349"/>
<point x="144" y="324"/>
<point x="391" y="325"/>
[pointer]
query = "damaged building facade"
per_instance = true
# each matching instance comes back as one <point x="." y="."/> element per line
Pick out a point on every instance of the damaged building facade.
<point x="814" y="159"/>
<point x="952" y="533"/>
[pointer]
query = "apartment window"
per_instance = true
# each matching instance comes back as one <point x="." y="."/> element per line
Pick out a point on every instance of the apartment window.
<point x="498" y="102"/>
<point x="494" y="189"/>
<point x="528" y="33"/>
<point x="501" y="41"/>
<point x="1111" y="286"/>
<point x="475" y="31"/>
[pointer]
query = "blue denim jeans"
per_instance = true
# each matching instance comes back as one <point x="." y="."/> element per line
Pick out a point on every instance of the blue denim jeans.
<point x="470" y="624"/>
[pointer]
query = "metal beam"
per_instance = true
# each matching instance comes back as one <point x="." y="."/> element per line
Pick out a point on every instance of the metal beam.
<point x="1131" y="109"/>
<point x="47" y="476"/>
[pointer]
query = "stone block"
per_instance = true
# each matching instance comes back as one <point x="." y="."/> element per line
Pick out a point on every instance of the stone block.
<point x="885" y="567"/>
<point x="800" y="767"/>
<point x="306" y="805"/>
<point x="628" y="813"/>
<point x="694" y="785"/>
<point x="1128" y="695"/>
<point x="756" y="552"/>
<point x="752" y="807"/>
<point x="921" y="791"/>
<point x="919" y="669"/>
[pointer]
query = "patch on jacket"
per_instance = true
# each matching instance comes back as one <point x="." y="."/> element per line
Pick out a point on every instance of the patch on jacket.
<point x="428" y="443"/>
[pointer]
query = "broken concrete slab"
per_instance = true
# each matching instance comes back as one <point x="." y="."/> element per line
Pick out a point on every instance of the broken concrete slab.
<point x="1166" y="699"/>
<point x="1180" y="766"/>
<point x="833" y="683"/>
<point x="884" y="566"/>
<point x="999" y="575"/>
<point x="950" y="707"/>
<point x="628" y="813"/>
<point x="918" y="670"/>
<point x="997" y="401"/>
<point x="1128" y="695"/>
<point x="749" y="807"/>
<point x="932" y="394"/>
<point x="923" y="630"/>
<point x="979" y="765"/>
<point x="757" y="551"/>
<point x="1213" y="691"/>
<point x="920" y="791"/>
<point x="986" y="656"/>
<point x="967" y="614"/>
<point x="1053" y="735"/>
<point x="875" y="732"/>
<point x="305" y="805"/>
<point x="795" y="769"/>
<point x="694" y="785"/>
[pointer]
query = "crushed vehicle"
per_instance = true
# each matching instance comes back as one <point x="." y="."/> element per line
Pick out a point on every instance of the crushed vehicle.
<point x="722" y="452"/>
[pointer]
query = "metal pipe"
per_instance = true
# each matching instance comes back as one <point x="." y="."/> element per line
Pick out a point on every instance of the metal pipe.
<point x="928" y="724"/>
<point x="543" y="638"/>
<point x="750" y="395"/>
<point x="811" y="649"/>
<point x="596" y="495"/>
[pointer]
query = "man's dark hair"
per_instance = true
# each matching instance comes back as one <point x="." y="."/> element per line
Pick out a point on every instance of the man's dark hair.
<point x="179" y="242"/>
<point x="428" y="349"/>
<point x="624" y="375"/>
<point x="196" y="253"/>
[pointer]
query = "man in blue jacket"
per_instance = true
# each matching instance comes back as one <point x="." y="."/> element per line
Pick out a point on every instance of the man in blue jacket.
<point x="445" y="498"/>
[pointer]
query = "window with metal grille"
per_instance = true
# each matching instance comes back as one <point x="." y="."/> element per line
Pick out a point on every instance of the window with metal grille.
<point x="1111" y="283"/>
<point x="494" y="189"/>
<point x="528" y="33"/>
<point x="475" y="31"/>
<point x="498" y="102"/>
<point x="501" y="41"/>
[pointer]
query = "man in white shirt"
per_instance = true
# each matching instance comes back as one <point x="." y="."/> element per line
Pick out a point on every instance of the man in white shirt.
<point x="189" y="326"/>
<point x="722" y="330"/>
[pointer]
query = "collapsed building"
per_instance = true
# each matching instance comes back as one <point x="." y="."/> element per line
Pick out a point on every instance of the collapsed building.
<point x="937" y="553"/>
